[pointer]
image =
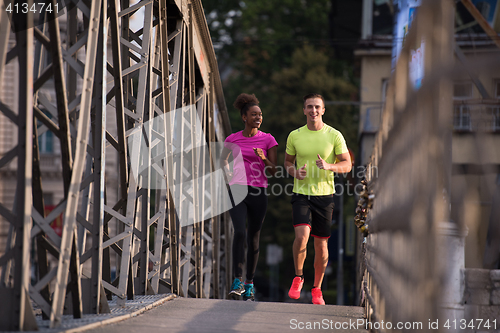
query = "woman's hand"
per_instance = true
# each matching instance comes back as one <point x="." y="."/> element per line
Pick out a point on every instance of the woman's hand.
<point x="229" y="174"/>
<point x="260" y="153"/>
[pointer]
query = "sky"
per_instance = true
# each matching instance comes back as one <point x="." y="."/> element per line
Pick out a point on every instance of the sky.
<point x="137" y="20"/>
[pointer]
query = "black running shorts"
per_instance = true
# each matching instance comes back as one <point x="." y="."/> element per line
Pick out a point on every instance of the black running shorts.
<point x="314" y="211"/>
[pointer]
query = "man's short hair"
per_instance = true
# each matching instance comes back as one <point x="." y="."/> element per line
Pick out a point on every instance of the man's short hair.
<point x="313" y="95"/>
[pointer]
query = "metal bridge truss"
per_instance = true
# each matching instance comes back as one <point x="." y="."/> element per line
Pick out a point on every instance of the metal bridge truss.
<point x="131" y="224"/>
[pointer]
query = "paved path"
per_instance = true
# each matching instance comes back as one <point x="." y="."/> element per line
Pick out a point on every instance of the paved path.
<point x="209" y="315"/>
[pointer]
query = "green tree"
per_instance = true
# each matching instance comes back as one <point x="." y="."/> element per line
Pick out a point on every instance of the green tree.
<point x="255" y="39"/>
<point x="260" y="35"/>
<point x="310" y="71"/>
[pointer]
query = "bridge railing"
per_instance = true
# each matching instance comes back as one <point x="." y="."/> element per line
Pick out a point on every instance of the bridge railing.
<point x="412" y="250"/>
<point x="138" y="115"/>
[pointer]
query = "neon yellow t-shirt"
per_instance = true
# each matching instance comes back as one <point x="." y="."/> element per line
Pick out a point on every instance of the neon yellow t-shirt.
<point x="306" y="145"/>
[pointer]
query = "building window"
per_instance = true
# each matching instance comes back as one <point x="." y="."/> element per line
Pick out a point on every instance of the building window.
<point x="46" y="139"/>
<point x="48" y="198"/>
<point x="461" y="118"/>
<point x="382" y="17"/>
<point x="46" y="143"/>
<point x="461" y="112"/>
<point x="495" y="110"/>
<point x="462" y="90"/>
<point x="494" y="113"/>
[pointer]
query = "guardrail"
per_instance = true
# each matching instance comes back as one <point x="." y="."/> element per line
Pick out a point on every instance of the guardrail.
<point x="476" y="116"/>
<point x="412" y="250"/>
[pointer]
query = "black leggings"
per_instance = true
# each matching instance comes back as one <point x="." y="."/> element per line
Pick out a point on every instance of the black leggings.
<point x="253" y="206"/>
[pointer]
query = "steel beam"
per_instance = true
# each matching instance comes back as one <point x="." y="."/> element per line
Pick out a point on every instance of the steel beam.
<point x="149" y="89"/>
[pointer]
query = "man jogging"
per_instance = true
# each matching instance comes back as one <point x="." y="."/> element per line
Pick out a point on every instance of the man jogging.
<point x="314" y="152"/>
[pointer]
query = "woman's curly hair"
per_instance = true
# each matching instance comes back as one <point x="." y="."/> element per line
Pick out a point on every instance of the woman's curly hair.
<point x="244" y="101"/>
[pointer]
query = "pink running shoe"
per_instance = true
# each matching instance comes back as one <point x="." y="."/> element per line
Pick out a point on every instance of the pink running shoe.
<point x="296" y="287"/>
<point x="317" y="296"/>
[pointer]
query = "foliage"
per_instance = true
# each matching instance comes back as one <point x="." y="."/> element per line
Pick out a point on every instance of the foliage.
<point x="259" y="36"/>
<point x="308" y="72"/>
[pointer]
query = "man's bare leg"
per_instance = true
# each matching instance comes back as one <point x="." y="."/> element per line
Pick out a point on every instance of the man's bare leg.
<point x="300" y="248"/>
<point x="320" y="260"/>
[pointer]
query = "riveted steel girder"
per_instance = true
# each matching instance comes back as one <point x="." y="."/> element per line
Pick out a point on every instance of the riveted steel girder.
<point x="131" y="115"/>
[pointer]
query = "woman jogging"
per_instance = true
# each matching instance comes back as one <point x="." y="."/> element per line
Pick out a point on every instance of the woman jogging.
<point x="253" y="152"/>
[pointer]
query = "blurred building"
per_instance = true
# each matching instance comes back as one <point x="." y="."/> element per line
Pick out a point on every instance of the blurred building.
<point x="475" y="168"/>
